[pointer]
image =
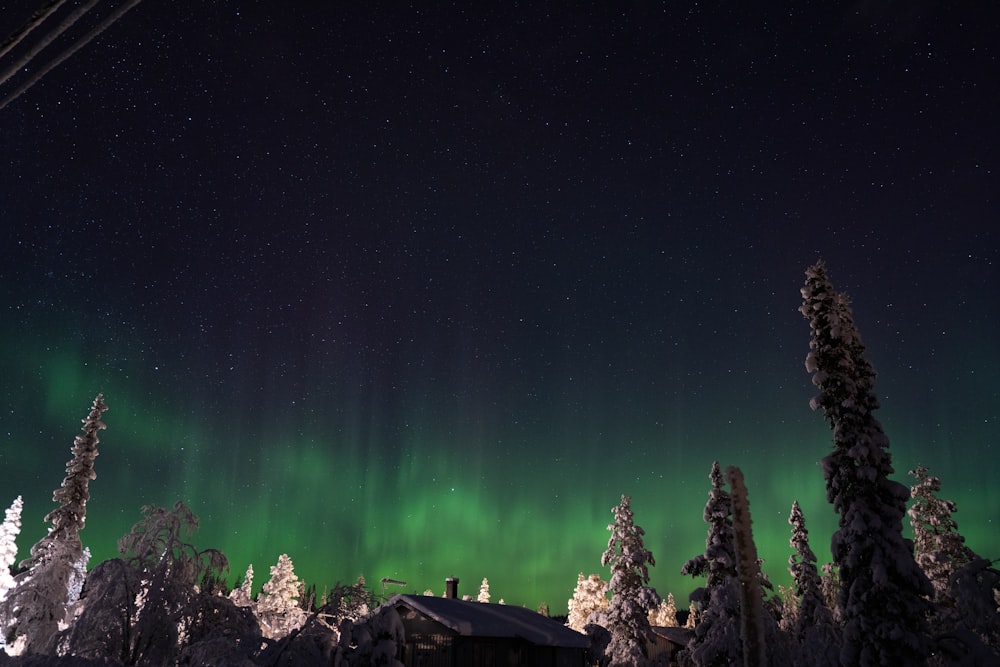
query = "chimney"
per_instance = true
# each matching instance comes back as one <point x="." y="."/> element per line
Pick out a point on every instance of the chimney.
<point x="451" y="588"/>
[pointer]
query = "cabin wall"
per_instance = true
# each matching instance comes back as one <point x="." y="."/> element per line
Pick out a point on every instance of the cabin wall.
<point x="430" y="651"/>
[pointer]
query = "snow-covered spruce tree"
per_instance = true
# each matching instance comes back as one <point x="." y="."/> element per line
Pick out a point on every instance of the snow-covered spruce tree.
<point x="718" y="563"/>
<point x="363" y="598"/>
<point x="882" y="602"/>
<point x="484" y="591"/>
<point x="242" y="596"/>
<point x="829" y="579"/>
<point x="969" y="632"/>
<point x="939" y="548"/>
<point x="790" y="602"/>
<point x="665" y="616"/>
<point x="716" y="639"/>
<point x="692" y="618"/>
<point x="8" y="544"/>
<point x="808" y="621"/>
<point x="589" y="596"/>
<point x="277" y="606"/>
<point x="964" y="619"/>
<point x="802" y="566"/>
<point x="809" y="585"/>
<point x="631" y="598"/>
<point x="35" y="608"/>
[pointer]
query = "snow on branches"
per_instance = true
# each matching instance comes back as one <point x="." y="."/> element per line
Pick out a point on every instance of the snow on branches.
<point x="882" y="601"/>
<point x="627" y="617"/>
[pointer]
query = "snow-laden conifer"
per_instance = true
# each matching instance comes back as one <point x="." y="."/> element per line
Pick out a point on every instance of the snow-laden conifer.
<point x="589" y="596"/>
<point x="362" y="598"/>
<point x="282" y="590"/>
<point x="938" y="547"/>
<point x="882" y="602"/>
<point x="8" y="544"/>
<point x="830" y="585"/>
<point x="691" y="622"/>
<point x="277" y="606"/>
<point x="36" y="606"/>
<point x="242" y="596"/>
<point x="716" y="637"/>
<point x="789" y="608"/>
<point x="965" y="619"/>
<point x="627" y="617"/>
<point x="808" y="586"/>
<point x="807" y="619"/>
<point x="968" y="633"/>
<point x="665" y="616"/>
<point x="484" y="591"/>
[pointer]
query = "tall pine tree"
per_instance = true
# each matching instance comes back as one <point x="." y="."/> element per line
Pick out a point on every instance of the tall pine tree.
<point x="808" y="587"/>
<point x="810" y="625"/>
<point x="35" y="608"/>
<point x="716" y="639"/>
<point x="882" y="601"/>
<point x="631" y="599"/>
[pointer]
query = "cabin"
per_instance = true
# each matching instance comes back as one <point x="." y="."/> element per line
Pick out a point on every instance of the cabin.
<point x="448" y="632"/>
<point x="667" y="642"/>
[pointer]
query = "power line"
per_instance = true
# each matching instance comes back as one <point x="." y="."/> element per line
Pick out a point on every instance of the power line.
<point x="65" y="25"/>
<point x="36" y="19"/>
<point x="58" y="60"/>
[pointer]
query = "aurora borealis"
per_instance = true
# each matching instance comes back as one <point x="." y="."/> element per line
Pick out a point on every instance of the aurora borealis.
<point x="420" y="294"/>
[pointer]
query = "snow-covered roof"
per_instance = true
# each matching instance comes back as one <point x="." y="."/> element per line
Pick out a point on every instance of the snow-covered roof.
<point x="483" y="619"/>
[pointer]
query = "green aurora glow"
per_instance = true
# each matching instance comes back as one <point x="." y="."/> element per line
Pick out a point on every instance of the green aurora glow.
<point x="396" y="498"/>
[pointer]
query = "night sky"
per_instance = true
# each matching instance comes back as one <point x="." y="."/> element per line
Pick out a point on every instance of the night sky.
<point x="420" y="293"/>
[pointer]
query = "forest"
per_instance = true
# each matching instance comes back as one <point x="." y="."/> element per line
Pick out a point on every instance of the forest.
<point x="883" y="600"/>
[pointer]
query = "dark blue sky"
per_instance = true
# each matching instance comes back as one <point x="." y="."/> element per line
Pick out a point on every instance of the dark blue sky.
<point x="396" y="290"/>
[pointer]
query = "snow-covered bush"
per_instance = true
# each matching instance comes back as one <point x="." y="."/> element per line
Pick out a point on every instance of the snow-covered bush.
<point x="242" y="596"/>
<point x="589" y="596"/>
<point x="665" y="616"/>
<point x="484" y="591"/>
<point x="8" y="544"/>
